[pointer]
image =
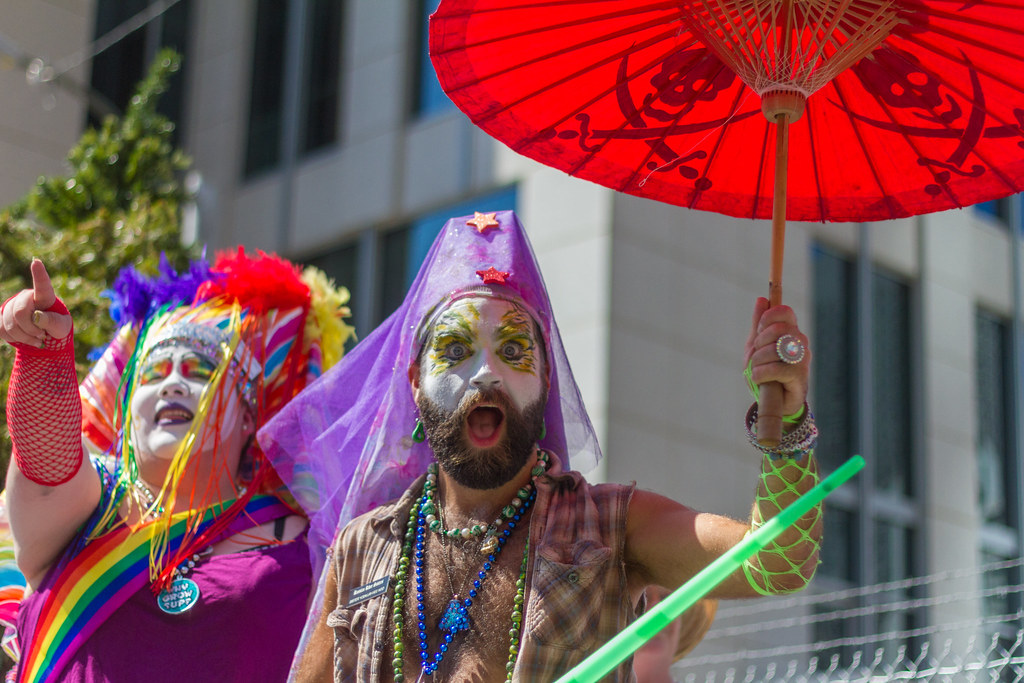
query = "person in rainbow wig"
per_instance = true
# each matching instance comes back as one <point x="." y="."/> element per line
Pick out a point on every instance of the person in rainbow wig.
<point x="156" y="539"/>
<point x="498" y="561"/>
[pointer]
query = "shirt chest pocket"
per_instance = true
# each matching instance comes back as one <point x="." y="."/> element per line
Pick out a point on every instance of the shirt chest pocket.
<point x="351" y="626"/>
<point x="568" y="594"/>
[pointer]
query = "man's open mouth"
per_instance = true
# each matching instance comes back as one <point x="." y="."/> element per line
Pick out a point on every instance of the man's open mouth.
<point x="484" y="425"/>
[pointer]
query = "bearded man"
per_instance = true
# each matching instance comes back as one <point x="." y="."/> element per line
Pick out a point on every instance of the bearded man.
<point x="498" y="561"/>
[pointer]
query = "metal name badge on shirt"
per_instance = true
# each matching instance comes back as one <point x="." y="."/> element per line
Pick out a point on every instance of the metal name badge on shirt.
<point x="179" y="597"/>
<point x="368" y="590"/>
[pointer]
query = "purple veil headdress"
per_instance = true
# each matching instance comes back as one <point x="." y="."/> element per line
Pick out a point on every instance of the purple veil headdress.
<point x="343" y="446"/>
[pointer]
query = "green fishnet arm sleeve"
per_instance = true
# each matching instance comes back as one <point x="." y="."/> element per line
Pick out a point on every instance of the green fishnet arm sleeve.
<point x="787" y="564"/>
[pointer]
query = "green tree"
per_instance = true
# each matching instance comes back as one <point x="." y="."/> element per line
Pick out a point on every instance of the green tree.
<point x="120" y="204"/>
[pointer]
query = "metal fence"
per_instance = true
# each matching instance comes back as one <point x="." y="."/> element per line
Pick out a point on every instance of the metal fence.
<point x="950" y="632"/>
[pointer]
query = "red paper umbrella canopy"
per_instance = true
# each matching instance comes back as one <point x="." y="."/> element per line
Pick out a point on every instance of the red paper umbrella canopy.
<point x="636" y="96"/>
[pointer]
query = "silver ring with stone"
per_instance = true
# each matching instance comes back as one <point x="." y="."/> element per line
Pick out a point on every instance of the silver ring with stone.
<point x="789" y="349"/>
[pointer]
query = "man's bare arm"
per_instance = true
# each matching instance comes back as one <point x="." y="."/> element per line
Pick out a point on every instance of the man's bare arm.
<point x="668" y="543"/>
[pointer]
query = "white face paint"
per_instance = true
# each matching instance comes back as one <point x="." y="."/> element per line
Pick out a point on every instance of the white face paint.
<point x="166" y="397"/>
<point x="482" y="343"/>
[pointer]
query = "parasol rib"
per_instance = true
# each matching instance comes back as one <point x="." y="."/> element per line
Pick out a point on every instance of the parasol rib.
<point x="976" y="43"/>
<point x="489" y="40"/>
<point x="567" y="78"/>
<point x="975" y="22"/>
<point x="886" y="196"/>
<point x="813" y="141"/>
<point x="502" y="6"/>
<point x="762" y="167"/>
<point x="477" y="78"/>
<point x="713" y="154"/>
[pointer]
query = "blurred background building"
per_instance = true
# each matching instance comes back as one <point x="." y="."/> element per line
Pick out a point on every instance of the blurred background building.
<point x="318" y="130"/>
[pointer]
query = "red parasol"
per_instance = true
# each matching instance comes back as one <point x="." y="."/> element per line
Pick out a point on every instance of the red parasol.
<point x="901" y="107"/>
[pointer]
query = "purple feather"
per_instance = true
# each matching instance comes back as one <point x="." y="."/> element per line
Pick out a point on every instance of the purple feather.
<point x="135" y="296"/>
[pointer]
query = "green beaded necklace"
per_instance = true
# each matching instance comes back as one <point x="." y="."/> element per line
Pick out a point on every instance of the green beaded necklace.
<point x="398" y="602"/>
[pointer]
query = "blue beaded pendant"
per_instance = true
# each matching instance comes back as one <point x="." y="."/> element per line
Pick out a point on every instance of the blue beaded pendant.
<point x="455" y="617"/>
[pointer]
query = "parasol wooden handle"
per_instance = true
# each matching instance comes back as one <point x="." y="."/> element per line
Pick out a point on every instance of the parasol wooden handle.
<point x="769" y="405"/>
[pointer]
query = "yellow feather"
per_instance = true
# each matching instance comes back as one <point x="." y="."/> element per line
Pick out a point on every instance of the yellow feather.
<point x="328" y="308"/>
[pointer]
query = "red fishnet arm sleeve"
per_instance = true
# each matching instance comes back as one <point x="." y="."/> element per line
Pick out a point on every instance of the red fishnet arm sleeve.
<point x="44" y="412"/>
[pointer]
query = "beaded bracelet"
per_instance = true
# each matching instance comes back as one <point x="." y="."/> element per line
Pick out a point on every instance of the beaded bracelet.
<point x="794" y="445"/>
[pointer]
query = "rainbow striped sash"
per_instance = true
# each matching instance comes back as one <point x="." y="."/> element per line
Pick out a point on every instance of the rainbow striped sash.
<point x="99" y="579"/>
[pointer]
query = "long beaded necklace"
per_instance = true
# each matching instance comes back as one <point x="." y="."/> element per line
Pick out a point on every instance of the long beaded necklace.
<point x="456" y="616"/>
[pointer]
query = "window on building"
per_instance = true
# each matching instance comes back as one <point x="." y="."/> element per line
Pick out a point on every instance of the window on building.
<point x="318" y="81"/>
<point x="323" y="64"/>
<point x="117" y="70"/>
<point x="1001" y="210"/>
<point x="872" y="523"/>
<point x="429" y="98"/>
<point x="995" y="448"/>
<point x="379" y="266"/>
<point x="266" y="95"/>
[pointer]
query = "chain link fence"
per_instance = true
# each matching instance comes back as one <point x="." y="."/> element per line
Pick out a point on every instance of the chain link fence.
<point x="949" y="627"/>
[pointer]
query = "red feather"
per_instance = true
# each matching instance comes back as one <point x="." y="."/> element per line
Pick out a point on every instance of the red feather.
<point x="260" y="282"/>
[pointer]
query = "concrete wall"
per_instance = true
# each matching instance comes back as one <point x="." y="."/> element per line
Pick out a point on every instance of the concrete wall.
<point x="39" y="122"/>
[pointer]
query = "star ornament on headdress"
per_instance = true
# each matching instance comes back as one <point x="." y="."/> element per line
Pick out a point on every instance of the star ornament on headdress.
<point x="483" y="221"/>
<point x="493" y="276"/>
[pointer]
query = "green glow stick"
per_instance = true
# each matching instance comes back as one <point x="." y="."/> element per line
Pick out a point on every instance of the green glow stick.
<point x="609" y="655"/>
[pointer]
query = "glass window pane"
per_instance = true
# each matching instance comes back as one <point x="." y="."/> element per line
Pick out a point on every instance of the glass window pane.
<point x="391" y="278"/>
<point x="834" y="368"/>
<point x="839" y="554"/>
<point x="322" y="69"/>
<point x="894" y="561"/>
<point x="175" y="33"/>
<point x="997" y="602"/>
<point x="430" y="98"/>
<point x="998" y="209"/>
<point x="893" y="552"/>
<point x="835" y="629"/>
<point x="116" y="71"/>
<point x="891" y="392"/>
<point x="266" y="95"/>
<point x="997" y="496"/>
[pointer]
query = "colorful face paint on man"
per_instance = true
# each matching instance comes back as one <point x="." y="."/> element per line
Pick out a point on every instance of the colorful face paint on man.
<point x="481" y="390"/>
<point x="482" y="343"/>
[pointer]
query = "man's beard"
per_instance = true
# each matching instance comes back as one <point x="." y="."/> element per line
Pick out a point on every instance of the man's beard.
<point x="482" y="468"/>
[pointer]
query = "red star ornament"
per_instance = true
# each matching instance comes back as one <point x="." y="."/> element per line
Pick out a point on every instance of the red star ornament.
<point x="483" y="221"/>
<point x="493" y="276"/>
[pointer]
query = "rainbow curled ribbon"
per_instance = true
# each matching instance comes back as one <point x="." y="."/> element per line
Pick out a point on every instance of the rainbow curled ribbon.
<point x="99" y="579"/>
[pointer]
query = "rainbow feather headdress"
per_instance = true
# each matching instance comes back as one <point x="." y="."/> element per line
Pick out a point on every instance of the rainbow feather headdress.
<point x="271" y="328"/>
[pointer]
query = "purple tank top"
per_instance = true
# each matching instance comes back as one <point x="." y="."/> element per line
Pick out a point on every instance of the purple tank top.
<point x="244" y="627"/>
